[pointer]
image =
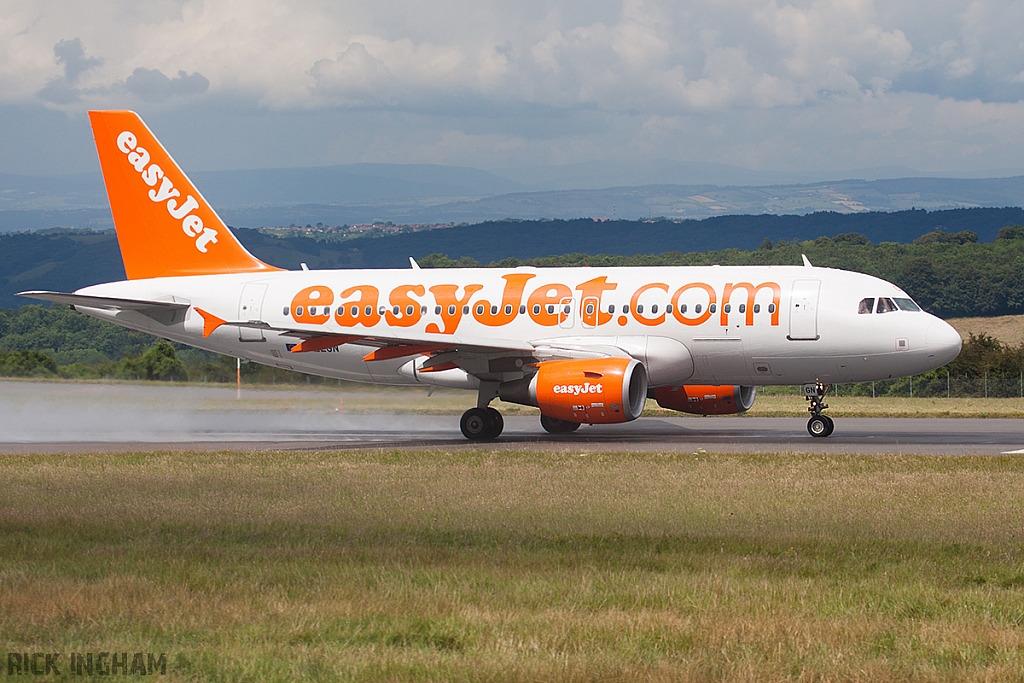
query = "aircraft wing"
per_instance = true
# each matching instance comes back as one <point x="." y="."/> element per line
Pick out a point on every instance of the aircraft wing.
<point x="481" y="357"/>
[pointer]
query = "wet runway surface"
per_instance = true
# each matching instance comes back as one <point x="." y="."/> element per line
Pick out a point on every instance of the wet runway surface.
<point x="55" y="418"/>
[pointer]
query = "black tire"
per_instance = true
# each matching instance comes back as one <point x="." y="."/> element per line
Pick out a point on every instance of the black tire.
<point x="476" y="424"/>
<point x="552" y="425"/>
<point x="818" y="426"/>
<point x="496" y="423"/>
<point x="831" y="425"/>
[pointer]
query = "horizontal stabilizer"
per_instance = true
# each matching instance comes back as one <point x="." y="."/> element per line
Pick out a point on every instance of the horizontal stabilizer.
<point x="164" y="312"/>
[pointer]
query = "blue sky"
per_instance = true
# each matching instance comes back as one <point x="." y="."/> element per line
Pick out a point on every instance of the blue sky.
<point x="818" y="87"/>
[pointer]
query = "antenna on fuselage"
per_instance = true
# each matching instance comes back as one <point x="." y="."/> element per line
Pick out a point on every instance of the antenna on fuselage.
<point x="412" y="262"/>
<point x="807" y="261"/>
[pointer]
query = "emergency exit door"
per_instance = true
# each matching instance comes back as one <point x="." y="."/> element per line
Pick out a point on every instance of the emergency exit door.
<point x="250" y="309"/>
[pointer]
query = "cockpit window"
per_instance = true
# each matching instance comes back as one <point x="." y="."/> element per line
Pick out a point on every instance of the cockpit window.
<point x="907" y="305"/>
<point x="866" y="305"/>
<point x="885" y="305"/>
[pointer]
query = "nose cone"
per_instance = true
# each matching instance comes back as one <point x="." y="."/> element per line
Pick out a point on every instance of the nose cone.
<point x="943" y="343"/>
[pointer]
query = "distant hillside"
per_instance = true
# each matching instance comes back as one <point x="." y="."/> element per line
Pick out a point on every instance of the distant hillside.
<point x="951" y="278"/>
<point x="363" y="193"/>
<point x="493" y="241"/>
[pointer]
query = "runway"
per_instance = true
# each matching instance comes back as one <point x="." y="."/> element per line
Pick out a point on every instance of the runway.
<point x="55" y="417"/>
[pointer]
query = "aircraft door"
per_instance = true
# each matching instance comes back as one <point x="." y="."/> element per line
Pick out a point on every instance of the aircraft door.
<point x="250" y="308"/>
<point x="803" y="310"/>
<point x="589" y="311"/>
<point x="567" y="313"/>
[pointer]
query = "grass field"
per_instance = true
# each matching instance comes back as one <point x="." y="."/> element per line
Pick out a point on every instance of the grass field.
<point x="1008" y="329"/>
<point x="513" y="566"/>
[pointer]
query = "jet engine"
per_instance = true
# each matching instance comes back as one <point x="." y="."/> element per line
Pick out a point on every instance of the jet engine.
<point x="591" y="391"/>
<point x="706" y="399"/>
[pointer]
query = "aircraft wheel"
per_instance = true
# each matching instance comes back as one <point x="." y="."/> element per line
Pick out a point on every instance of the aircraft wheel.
<point x="496" y="422"/>
<point x="820" y="426"/>
<point x="477" y="424"/>
<point x="552" y="425"/>
<point x="831" y="425"/>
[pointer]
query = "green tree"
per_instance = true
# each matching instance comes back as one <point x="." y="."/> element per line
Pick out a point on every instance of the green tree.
<point x="159" y="362"/>
<point x="27" y="364"/>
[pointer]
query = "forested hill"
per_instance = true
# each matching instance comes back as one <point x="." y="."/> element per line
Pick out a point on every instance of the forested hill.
<point x="961" y="270"/>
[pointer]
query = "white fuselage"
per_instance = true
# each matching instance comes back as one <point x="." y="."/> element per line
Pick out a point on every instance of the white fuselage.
<point x="752" y="325"/>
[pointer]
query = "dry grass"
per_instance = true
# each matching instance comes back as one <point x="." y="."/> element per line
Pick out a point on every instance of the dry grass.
<point x="1008" y="329"/>
<point x="865" y="406"/>
<point x="479" y="566"/>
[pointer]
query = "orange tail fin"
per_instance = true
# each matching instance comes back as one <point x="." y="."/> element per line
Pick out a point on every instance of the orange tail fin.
<point x="164" y="226"/>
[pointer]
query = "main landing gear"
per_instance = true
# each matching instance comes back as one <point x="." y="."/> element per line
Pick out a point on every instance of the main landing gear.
<point x="552" y="425"/>
<point x="819" y="425"/>
<point x="481" y="424"/>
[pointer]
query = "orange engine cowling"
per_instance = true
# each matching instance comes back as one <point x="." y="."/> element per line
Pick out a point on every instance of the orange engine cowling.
<point x="592" y="390"/>
<point x="706" y="399"/>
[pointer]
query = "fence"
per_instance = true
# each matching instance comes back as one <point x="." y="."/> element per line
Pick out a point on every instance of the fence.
<point x="939" y="385"/>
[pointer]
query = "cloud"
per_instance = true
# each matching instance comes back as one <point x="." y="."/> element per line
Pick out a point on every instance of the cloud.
<point x="71" y="55"/>
<point x="751" y="82"/>
<point x="151" y="85"/>
<point x="355" y="77"/>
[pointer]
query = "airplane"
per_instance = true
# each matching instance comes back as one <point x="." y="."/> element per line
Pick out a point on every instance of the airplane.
<point x="584" y="345"/>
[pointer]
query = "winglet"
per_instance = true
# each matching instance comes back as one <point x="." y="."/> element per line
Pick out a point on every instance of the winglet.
<point x="210" y="322"/>
<point x="164" y="225"/>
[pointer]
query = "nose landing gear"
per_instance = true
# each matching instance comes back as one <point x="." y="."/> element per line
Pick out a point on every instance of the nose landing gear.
<point x="818" y="425"/>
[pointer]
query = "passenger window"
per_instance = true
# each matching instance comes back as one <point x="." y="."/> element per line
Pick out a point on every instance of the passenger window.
<point x="465" y="310"/>
<point x="437" y="310"/>
<point x="743" y="308"/>
<point x="395" y="310"/>
<point x="508" y="309"/>
<point x="696" y="309"/>
<point x="907" y="305"/>
<point x="494" y="310"/>
<point x="885" y="305"/>
<point x="522" y="309"/>
<point x="536" y="309"/>
<point x="771" y="308"/>
<point x="611" y="308"/>
<point x="451" y="310"/>
<point x="757" y="308"/>
<point x="654" y="308"/>
<point x="625" y="309"/>
<point x="713" y="307"/>
<point x="551" y="309"/>
<point x="727" y="308"/>
<point x="590" y="309"/>
<point x="285" y="311"/>
<point x="668" y="308"/>
<point x="423" y="310"/>
<point x="567" y="310"/>
<point x="368" y="310"/>
<point x="312" y="310"/>
<point x="865" y="306"/>
<point x="298" y="310"/>
<point x="355" y="311"/>
<point x="381" y="310"/>
<point x="639" y="308"/>
<point x="480" y="309"/>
